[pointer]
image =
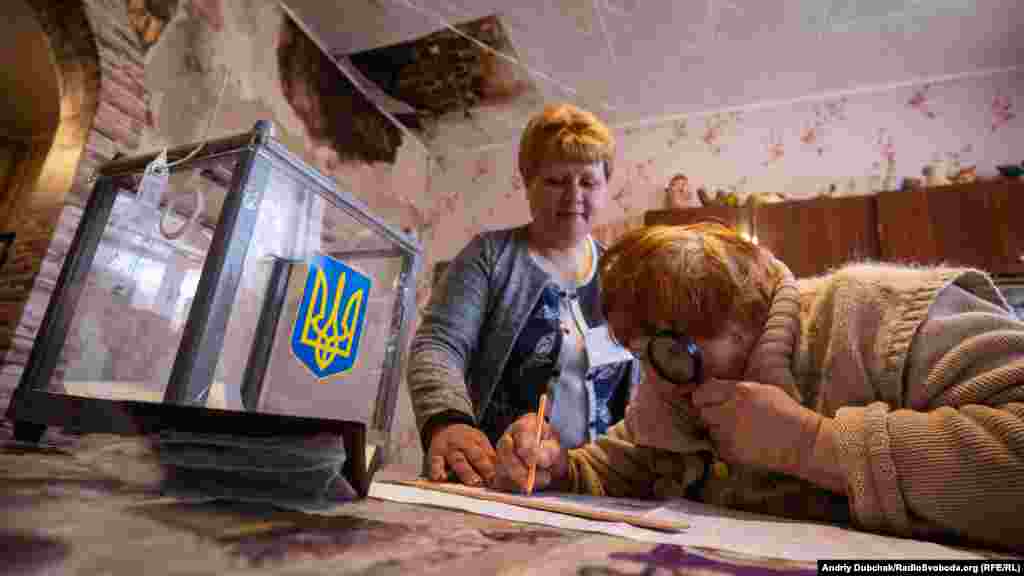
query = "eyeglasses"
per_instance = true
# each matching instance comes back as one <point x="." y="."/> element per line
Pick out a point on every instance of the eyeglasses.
<point x="674" y="356"/>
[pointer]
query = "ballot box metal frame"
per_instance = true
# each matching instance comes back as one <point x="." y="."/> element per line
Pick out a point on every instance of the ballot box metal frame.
<point x="33" y="407"/>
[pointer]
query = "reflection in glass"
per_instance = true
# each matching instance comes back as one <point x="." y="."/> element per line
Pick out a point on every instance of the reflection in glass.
<point x="125" y="331"/>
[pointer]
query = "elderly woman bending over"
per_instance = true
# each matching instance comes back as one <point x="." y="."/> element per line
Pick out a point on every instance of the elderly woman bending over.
<point x="886" y="396"/>
<point x="518" y="313"/>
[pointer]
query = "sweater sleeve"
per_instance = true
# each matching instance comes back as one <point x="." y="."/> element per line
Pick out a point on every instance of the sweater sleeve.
<point x="446" y="339"/>
<point x="613" y="465"/>
<point x="951" y="459"/>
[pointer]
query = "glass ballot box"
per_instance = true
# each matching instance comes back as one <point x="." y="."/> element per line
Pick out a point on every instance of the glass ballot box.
<point x="225" y="287"/>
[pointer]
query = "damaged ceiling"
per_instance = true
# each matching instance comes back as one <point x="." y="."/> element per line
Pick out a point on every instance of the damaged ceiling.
<point x="468" y="73"/>
<point x="447" y="72"/>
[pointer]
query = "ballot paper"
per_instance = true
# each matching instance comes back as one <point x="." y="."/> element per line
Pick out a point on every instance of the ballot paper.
<point x="709" y="526"/>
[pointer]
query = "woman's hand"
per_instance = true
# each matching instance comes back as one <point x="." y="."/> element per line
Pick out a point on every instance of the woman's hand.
<point x="517" y="451"/>
<point x="761" y="425"/>
<point x="464" y="449"/>
<point x="757" y="424"/>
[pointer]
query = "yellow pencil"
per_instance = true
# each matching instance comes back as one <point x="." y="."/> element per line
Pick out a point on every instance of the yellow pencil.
<point x="540" y="428"/>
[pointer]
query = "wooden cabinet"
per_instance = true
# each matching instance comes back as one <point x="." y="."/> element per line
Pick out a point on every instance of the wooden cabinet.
<point x="814" y="236"/>
<point x="970" y="224"/>
<point x="1008" y="221"/>
<point x="979" y="225"/>
<point x="810" y="236"/>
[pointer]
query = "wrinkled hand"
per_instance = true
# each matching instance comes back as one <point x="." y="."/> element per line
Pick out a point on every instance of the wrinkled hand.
<point x="757" y="424"/>
<point x="464" y="449"/>
<point x="661" y="414"/>
<point x="517" y="451"/>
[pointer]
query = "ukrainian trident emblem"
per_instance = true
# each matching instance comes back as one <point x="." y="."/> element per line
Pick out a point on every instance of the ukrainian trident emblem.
<point x="329" y="323"/>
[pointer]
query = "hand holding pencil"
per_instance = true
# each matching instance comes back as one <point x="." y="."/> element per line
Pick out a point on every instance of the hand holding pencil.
<point x="530" y="456"/>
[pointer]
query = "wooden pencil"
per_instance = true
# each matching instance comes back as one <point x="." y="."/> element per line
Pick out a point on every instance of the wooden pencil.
<point x="540" y="429"/>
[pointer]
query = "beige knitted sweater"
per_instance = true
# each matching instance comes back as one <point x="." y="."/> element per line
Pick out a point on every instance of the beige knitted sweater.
<point x="922" y="370"/>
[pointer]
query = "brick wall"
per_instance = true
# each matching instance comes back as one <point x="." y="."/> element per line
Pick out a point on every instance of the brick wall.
<point x="104" y="107"/>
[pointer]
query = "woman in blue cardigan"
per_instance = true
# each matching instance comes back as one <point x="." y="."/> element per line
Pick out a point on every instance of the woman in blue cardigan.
<point x="517" y="313"/>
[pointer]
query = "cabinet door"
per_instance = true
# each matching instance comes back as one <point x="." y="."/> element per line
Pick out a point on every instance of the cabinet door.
<point x="814" y="236"/>
<point x="905" y="230"/>
<point x="967" y="225"/>
<point x="1008" y="223"/>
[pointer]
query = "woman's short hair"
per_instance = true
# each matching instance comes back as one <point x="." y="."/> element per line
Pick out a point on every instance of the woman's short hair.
<point x="564" y="132"/>
<point x="689" y="278"/>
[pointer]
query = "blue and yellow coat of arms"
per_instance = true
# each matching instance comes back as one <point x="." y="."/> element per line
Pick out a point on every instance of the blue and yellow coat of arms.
<point x="329" y="322"/>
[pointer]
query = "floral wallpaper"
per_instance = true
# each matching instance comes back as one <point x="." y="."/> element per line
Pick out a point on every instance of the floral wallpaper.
<point x="719" y="129"/>
<point x="814" y="134"/>
<point x="1002" y="111"/>
<point x="848" y="145"/>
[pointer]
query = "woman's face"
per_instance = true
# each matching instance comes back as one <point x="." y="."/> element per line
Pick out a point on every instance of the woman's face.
<point x="565" y="199"/>
<point x="725" y="355"/>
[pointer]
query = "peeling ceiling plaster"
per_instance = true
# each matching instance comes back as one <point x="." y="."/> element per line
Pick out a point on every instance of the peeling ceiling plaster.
<point x="633" y="62"/>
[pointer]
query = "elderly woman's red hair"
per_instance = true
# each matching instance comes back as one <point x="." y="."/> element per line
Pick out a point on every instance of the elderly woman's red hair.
<point x="702" y="275"/>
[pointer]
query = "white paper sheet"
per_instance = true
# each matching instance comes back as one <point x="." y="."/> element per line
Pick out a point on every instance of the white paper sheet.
<point x="710" y="526"/>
